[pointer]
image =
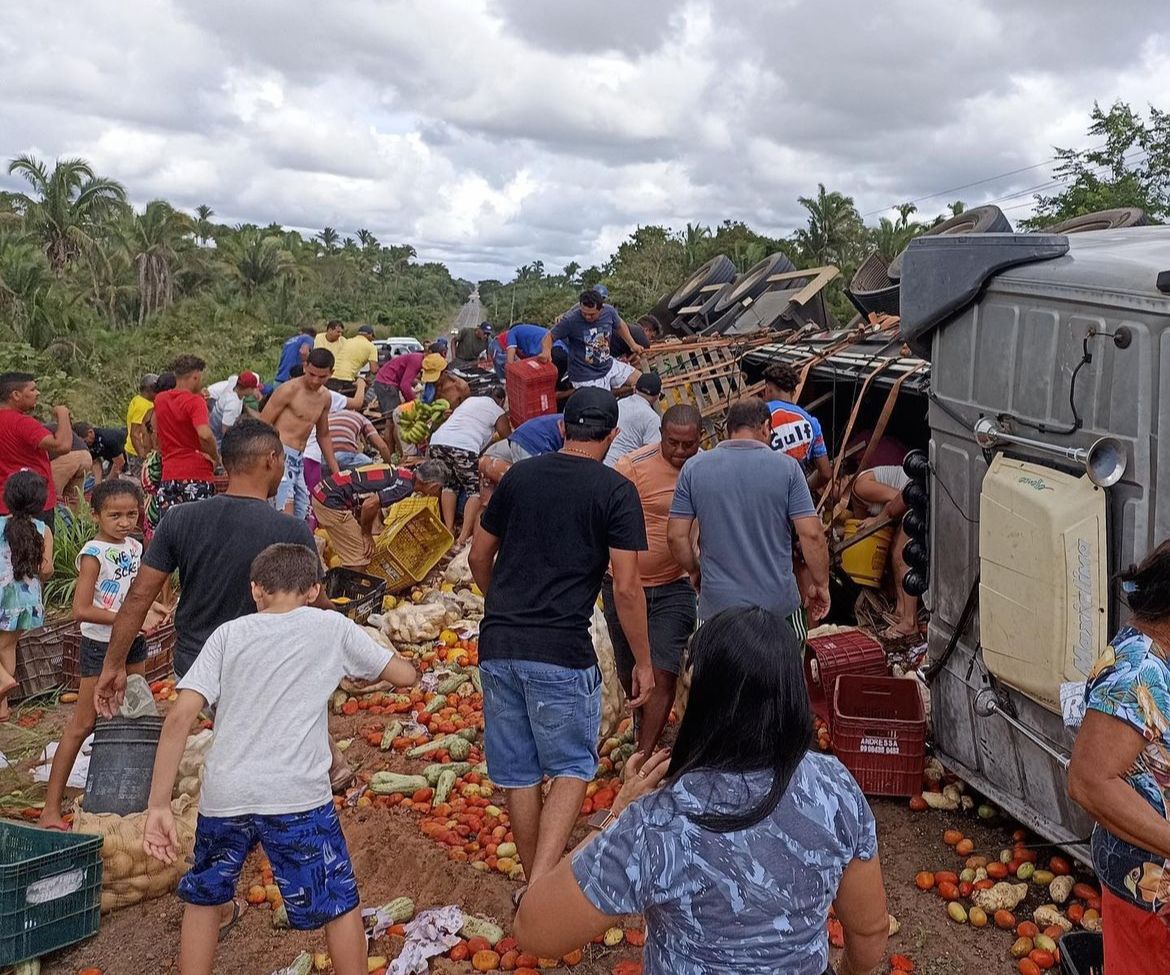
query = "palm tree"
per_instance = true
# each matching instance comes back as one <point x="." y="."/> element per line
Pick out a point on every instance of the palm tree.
<point x="152" y="240"/>
<point x="25" y="284"/>
<point x="203" y="215"/>
<point x="834" y="233"/>
<point x="904" y="211"/>
<point x="569" y="272"/>
<point x="366" y="239"/>
<point x="67" y="205"/>
<point x="329" y="238"/>
<point x="957" y="207"/>
<point x="695" y="239"/>
<point x="255" y="260"/>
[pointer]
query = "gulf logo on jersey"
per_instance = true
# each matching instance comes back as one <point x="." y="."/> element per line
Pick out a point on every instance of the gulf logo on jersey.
<point x="792" y="432"/>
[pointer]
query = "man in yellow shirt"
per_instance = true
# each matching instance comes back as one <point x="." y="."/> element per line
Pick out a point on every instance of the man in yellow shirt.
<point x="138" y="440"/>
<point x="331" y="339"/>
<point x="354" y="355"/>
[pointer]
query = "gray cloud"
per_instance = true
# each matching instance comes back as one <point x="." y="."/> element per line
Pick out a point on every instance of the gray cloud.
<point x="492" y="133"/>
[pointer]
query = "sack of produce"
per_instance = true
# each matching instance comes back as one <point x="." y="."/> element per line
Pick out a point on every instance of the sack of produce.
<point x="613" y="698"/>
<point x="129" y="874"/>
<point x="190" y="778"/>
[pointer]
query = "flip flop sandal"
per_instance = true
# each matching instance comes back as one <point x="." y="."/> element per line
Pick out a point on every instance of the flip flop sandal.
<point x="237" y="913"/>
<point x="518" y="895"/>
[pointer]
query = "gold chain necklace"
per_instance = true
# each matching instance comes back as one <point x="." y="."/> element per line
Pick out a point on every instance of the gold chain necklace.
<point x="576" y="453"/>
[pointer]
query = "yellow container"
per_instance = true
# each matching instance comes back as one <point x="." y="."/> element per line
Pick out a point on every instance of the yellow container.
<point x="865" y="562"/>
<point x="410" y="544"/>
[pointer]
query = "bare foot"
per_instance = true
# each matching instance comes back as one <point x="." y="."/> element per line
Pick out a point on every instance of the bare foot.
<point x="899" y="632"/>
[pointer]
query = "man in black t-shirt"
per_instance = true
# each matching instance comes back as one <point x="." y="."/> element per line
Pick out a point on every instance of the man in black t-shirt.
<point x="212" y="544"/>
<point x="540" y="566"/>
<point x="106" y="446"/>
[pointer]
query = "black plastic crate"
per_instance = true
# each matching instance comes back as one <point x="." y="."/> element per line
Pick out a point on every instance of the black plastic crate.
<point x="363" y="592"/>
<point x="50" y="890"/>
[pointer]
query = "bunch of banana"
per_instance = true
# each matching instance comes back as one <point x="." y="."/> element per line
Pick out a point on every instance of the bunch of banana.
<point x="421" y="420"/>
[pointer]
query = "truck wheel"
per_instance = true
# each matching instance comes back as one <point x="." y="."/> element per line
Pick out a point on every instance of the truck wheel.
<point x="871" y="290"/>
<point x="753" y="282"/>
<point x="981" y="220"/>
<point x="1100" y="220"/>
<point x="718" y="270"/>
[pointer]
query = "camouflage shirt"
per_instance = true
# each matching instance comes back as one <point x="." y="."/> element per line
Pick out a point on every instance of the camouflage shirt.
<point x="751" y="902"/>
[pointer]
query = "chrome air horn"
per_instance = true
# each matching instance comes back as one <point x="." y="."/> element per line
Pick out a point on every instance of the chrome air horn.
<point x="1104" y="461"/>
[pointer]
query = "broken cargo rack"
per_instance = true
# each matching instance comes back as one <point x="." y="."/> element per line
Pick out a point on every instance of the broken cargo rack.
<point x="850" y="355"/>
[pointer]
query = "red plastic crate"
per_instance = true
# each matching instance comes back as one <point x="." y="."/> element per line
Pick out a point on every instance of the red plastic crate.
<point x="845" y="652"/>
<point x="532" y="389"/>
<point x="879" y="733"/>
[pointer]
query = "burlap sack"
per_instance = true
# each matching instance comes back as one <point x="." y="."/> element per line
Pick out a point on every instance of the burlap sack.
<point x="129" y="874"/>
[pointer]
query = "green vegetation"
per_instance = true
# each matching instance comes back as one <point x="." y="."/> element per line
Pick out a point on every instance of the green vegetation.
<point x="93" y="294"/>
<point x="1129" y="166"/>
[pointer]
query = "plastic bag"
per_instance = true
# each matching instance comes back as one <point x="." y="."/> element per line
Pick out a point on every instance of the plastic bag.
<point x="139" y="702"/>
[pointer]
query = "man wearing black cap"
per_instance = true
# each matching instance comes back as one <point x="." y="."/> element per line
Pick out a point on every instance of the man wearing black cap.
<point x="638" y="421"/>
<point x="540" y="566"/>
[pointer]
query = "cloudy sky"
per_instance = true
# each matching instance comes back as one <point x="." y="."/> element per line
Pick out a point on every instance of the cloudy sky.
<point x="489" y="133"/>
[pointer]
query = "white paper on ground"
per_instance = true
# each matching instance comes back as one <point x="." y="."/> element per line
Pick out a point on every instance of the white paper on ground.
<point x="434" y="932"/>
<point x="80" y="769"/>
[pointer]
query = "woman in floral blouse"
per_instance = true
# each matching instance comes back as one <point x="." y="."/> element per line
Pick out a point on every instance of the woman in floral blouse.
<point x="1120" y="773"/>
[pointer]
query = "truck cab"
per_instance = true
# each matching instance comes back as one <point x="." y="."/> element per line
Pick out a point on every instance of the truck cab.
<point x="1045" y="404"/>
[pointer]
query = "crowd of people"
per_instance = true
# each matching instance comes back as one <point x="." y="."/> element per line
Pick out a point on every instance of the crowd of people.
<point x="710" y="563"/>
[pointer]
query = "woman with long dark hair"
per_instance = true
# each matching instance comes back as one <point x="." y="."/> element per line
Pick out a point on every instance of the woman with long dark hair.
<point x="1120" y="773"/>
<point x="26" y="557"/>
<point x="736" y="859"/>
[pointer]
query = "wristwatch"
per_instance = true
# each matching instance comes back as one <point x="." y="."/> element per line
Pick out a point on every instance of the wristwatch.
<point x="601" y="819"/>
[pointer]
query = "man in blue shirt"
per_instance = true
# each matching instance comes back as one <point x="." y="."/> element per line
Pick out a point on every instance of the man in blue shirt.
<point x="294" y="352"/>
<point x="749" y="501"/>
<point x="587" y="330"/>
<point x="795" y="431"/>
<point x="526" y="341"/>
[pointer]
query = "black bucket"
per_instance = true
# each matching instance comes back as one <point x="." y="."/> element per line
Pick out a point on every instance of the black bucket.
<point x="1082" y="952"/>
<point x="121" y="764"/>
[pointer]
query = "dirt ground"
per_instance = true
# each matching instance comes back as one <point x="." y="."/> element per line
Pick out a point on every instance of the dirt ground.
<point x="393" y="858"/>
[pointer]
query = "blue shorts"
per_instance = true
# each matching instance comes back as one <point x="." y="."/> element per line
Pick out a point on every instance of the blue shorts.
<point x="309" y="858"/>
<point x="539" y="719"/>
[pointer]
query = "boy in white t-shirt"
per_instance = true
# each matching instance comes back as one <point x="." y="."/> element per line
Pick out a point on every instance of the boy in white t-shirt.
<point x="266" y="774"/>
<point x="105" y="568"/>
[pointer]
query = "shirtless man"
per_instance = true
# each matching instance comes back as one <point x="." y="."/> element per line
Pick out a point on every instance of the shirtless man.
<point x="296" y="408"/>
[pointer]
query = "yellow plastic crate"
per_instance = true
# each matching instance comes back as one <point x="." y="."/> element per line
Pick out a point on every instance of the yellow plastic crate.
<point x="411" y="543"/>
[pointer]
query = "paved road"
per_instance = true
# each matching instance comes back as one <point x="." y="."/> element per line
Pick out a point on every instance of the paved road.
<point x="469" y="314"/>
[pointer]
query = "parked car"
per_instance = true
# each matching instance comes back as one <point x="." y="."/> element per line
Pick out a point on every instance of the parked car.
<point x="396" y="346"/>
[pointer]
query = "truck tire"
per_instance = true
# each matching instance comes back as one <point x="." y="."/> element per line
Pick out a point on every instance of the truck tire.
<point x="981" y="220"/>
<point x="718" y="270"/>
<point x="753" y="282"/>
<point x="1100" y="220"/>
<point x="871" y="291"/>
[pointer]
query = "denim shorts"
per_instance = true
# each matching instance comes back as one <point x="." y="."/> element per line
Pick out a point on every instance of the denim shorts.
<point x="539" y="720"/>
<point x="309" y="858"/>
<point x="93" y="654"/>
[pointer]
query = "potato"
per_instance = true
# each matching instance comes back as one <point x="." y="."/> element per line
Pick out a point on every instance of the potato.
<point x="1060" y="887"/>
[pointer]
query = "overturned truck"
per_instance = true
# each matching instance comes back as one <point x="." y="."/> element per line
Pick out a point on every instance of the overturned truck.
<point x="1029" y="367"/>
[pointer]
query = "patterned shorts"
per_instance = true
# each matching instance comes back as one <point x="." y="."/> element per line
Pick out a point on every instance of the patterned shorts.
<point x="463" y="463"/>
<point x="171" y="493"/>
<point x="309" y="858"/>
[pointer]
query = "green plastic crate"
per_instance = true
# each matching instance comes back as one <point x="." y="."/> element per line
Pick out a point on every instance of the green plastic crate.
<point x="50" y="890"/>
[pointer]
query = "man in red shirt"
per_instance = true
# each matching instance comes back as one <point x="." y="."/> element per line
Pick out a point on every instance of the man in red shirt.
<point x="183" y="429"/>
<point x="24" y="442"/>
